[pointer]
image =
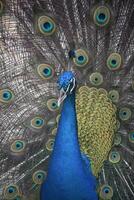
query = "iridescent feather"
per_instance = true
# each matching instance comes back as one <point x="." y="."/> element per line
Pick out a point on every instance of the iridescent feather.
<point x="39" y="40"/>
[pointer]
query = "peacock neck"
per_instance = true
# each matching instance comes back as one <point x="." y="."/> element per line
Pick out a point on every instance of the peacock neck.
<point x="66" y="153"/>
<point x="66" y="142"/>
<point x="67" y="134"/>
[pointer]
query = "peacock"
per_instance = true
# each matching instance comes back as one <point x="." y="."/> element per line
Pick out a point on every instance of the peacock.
<point x="66" y="99"/>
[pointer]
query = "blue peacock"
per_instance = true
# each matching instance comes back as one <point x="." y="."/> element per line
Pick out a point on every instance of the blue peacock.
<point x="77" y="181"/>
<point x="66" y="100"/>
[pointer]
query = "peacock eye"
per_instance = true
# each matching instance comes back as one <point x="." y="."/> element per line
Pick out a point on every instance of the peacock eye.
<point x="117" y="140"/>
<point x="81" y="58"/>
<point x="125" y="114"/>
<point x="96" y="79"/>
<point x="114" y="157"/>
<point x="114" y="96"/>
<point x="106" y="192"/>
<point x="131" y="136"/>
<point x="114" y="61"/>
<point x="18" y="146"/>
<point x="101" y="16"/>
<point x="37" y="122"/>
<point x="50" y="144"/>
<point x="6" y="96"/>
<point x="46" y="25"/>
<point x="46" y="71"/>
<point x="39" y="177"/>
<point x="52" y="105"/>
<point x="11" y="192"/>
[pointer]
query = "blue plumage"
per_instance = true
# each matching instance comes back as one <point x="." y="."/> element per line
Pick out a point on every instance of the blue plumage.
<point x="69" y="174"/>
<point x="64" y="79"/>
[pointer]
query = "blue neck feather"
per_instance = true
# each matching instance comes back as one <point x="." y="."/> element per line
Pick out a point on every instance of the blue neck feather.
<point x="68" y="178"/>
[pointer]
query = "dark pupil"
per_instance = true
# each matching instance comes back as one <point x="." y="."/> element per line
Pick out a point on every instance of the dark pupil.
<point x="124" y="113"/>
<point x="10" y="190"/>
<point x="102" y="16"/>
<point x="96" y="79"/>
<point x="114" y="156"/>
<point x="47" y="25"/>
<point x="81" y="58"/>
<point x="39" y="176"/>
<point x="51" y="144"/>
<point x="18" y="145"/>
<point x="113" y="62"/>
<point x="46" y="71"/>
<point x="37" y="122"/>
<point x="53" y="104"/>
<point x="112" y="96"/>
<point x="5" y="95"/>
<point x="106" y="191"/>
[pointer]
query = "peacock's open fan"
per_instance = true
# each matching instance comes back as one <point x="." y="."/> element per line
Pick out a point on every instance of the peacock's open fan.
<point x="38" y="41"/>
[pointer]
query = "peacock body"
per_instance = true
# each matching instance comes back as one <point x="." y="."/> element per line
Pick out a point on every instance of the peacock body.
<point x="38" y="41"/>
<point x="71" y="169"/>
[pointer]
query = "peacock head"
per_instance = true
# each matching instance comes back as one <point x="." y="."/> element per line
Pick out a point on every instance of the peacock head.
<point x="66" y="85"/>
